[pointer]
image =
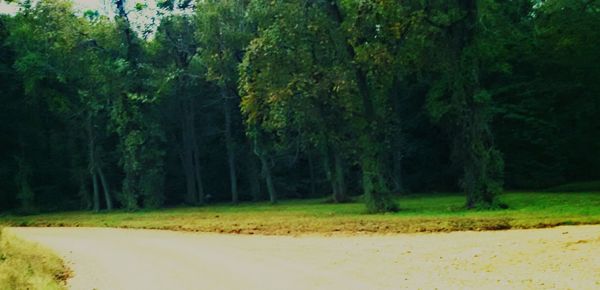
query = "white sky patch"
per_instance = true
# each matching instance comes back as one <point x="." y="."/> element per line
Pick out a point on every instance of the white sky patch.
<point x="139" y="19"/>
<point x="6" y="8"/>
<point x="105" y="7"/>
<point x="102" y="6"/>
<point x="84" y="5"/>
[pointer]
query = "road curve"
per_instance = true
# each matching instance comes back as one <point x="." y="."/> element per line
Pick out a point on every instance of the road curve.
<point x="115" y="259"/>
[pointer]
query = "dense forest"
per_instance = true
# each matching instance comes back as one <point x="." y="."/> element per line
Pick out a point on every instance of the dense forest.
<point x="192" y="102"/>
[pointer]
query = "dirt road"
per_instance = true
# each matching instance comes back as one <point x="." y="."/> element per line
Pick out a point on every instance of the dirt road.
<point x="114" y="259"/>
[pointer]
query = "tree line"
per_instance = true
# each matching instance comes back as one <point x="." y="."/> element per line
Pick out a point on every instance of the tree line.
<point x="239" y="100"/>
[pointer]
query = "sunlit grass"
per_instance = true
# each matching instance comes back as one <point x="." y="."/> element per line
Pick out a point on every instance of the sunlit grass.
<point x="24" y="265"/>
<point x="419" y="213"/>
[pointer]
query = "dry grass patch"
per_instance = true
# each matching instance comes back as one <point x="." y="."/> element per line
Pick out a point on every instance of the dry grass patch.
<point x="25" y="265"/>
<point x="418" y="213"/>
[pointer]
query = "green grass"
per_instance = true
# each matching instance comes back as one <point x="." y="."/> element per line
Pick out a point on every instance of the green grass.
<point x="419" y="213"/>
<point x="25" y="265"/>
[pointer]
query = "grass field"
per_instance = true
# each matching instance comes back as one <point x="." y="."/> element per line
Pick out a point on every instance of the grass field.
<point x="419" y="213"/>
<point x="25" y="265"/>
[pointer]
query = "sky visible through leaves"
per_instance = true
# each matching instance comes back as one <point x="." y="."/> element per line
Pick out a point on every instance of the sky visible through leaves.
<point x="81" y="5"/>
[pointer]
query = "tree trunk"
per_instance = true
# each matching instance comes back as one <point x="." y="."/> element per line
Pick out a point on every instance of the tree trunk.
<point x="266" y="171"/>
<point x="187" y="155"/>
<point x="329" y="173"/>
<point x="229" y="143"/>
<point x="339" y="178"/>
<point x="92" y="162"/>
<point x="199" y="184"/>
<point x="375" y="187"/>
<point x="397" y="94"/>
<point x="265" y="168"/>
<point x="397" y="171"/>
<point x="311" y="170"/>
<point x="107" y="197"/>
<point x="195" y="153"/>
<point x="473" y="137"/>
<point x="253" y="178"/>
<point x="96" y="196"/>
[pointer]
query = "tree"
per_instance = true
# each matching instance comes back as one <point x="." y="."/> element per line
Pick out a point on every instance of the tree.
<point x="368" y="124"/>
<point x="291" y="74"/>
<point x="551" y="90"/>
<point x="297" y="68"/>
<point x="223" y="34"/>
<point x="134" y="118"/>
<point x="175" y="51"/>
<point x="458" y="99"/>
<point x="55" y="52"/>
<point x="336" y="98"/>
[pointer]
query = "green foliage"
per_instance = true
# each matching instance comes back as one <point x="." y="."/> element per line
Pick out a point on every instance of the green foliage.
<point x="140" y="6"/>
<point x="552" y="91"/>
<point x="298" y="83"/>
<point x="141" y="154"/>
<point x="460" y="97"/>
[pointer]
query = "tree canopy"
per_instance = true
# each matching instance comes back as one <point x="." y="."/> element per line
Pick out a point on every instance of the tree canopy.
<point x="205" y="101"/>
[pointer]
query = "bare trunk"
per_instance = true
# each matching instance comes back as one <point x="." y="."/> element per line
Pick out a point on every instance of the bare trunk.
<point x="187" y="155"/>
<point x="397" y="93"/>
<point x="86" y="199"/>
<point x="253" y="178"/>
<point x="311" y="169"/>
<point x="339" y="178"/>
<point x="229" y="143"/>
<point x="199" y="184"/>
<point x="107" y="197"/>
<point x="92" y="163"/>
<point x="397" y="171"/>
<point x="196" y="153"/>
<point x="96" y="196"/>
<point x="329" y="173"/>
<point x="326" y="166"/>
<point x="266" y="170"/>
<point x="334" y="172"/>
<point x="191" y="194"/>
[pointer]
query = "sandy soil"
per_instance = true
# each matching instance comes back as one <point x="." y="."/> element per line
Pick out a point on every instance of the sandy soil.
<point x="114" y="259"/>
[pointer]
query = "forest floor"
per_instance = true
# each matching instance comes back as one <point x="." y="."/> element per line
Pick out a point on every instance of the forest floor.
<point x="565" y="257"/>
<point x="418" y="213"/>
